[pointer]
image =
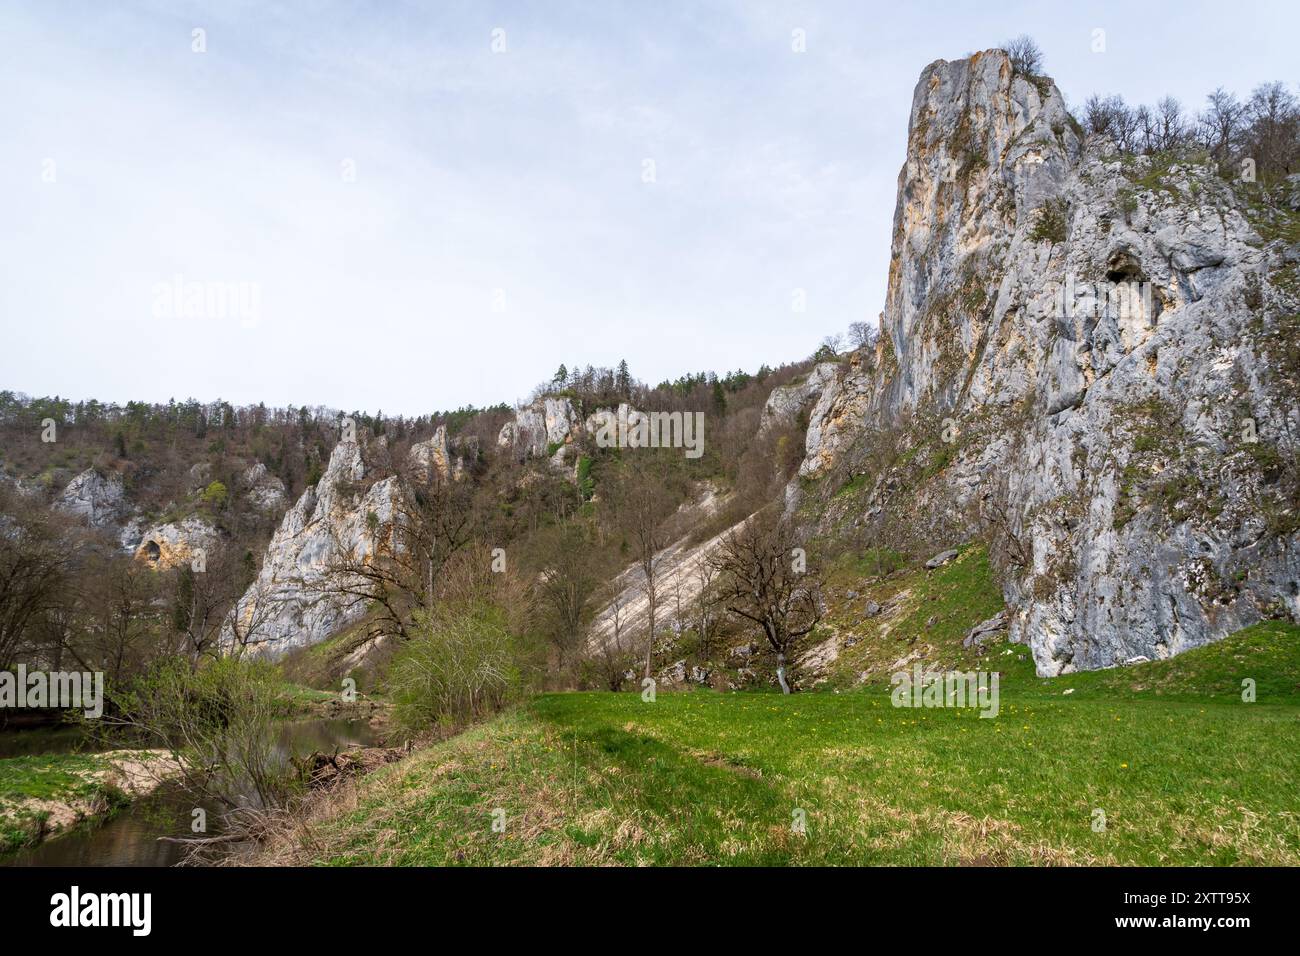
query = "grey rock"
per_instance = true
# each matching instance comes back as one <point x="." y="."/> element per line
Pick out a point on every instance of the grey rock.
<point x="98" y="499"/>
<point x="1052" y="397"/>
<point x="940" y="559"/>
<point x="985" y="629"/>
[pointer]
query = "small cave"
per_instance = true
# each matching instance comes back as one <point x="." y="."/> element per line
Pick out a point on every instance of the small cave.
<point x="1123" y="266"/>
<point x="152" y="552"/>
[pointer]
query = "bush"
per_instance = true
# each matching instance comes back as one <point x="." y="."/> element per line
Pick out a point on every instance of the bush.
<point x="1050" y="226"/>
<point x="215" y="496"/>
<point x="218" y="721"/>
<point x="459" y="665"/>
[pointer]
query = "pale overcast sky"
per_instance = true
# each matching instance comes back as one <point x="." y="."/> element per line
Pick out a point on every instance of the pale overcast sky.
<point x="429" y="223"/>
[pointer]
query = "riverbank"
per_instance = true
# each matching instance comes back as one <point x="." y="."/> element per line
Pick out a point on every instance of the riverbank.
<point x="47" y="794"/>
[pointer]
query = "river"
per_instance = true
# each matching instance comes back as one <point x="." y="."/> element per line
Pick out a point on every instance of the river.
<point x="130" y="837"/>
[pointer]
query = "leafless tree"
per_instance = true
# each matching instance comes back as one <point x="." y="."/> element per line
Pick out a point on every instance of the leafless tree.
<point x="1026" y="57"/>
<point x="1220" y="125"/>
<point x="565" y="587"/>
<point x="36" y="564"/>
<point x="763" y="579"/>
<point x="862" y="335"/>
<point x="205" y="599"/>
<point x="639" y="501"/>
<point x="612" y="652"/>
<point x="394" y="568"/>
<point x="705" y="601"/>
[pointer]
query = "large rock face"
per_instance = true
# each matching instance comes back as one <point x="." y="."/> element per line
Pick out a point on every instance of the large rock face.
<point x="348" y="512"/>
<point x="98" y="499"/>
<point x="1092" y="347"/>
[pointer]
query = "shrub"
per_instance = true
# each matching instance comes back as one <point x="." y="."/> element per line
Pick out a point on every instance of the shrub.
<point x="459" y="665"/>
<point x="1050" y="226"/>
<point x="215" y="496"/>
<point x="218" y="720"/>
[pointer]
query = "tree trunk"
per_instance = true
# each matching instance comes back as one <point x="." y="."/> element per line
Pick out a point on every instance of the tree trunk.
<point x="780" y="672"/>
<point x="650" y="638"/>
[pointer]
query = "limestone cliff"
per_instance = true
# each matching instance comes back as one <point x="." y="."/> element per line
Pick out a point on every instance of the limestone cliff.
<point x="1092" y="349"/>
<point x="349" y="510"/>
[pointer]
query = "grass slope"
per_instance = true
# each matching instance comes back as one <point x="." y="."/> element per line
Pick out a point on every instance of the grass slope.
<point x="1184" y="771"/>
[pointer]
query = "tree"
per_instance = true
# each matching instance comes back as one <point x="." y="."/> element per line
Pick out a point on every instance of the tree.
<point x="762" y="578"/>
<point x="862" y="335"/>
<point x="1026" y="57"/>
<point x="394" y="569"/>
<point x="1271" y="139"/>
<point x="612" y="652"/>
<point x="1220" y="126"/>
<point x="568" y="581"/>
<point x="639" y="501"/>
<point x="203" y="602"/>
<point x="705" y="602"/>
<point x="36" y="566"/>
<point x="216" y="495"/>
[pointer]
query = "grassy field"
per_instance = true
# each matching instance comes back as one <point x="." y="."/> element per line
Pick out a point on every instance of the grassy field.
<point x="1183" y="770"/>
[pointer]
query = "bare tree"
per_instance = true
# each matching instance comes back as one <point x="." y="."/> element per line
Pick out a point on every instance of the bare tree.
<point x="36" y="563"/>
<point x="1220" y="126"/>
<point x="763" y="578"/>
<point x="1026" y="57"/>
<point x="862" y="335"/>
<point x="205" y="597"/>
<point x="565" y="587"/>
<point x="705" y="601"/>
<point x="612" y="651"/>
<point x="1171" y="129"/>
<point x="1271" y="139"/>
<point x="639" y="502"/>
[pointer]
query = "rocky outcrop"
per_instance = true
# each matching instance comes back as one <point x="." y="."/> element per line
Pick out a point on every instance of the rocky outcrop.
<point x="786" y="401"/>
<point x="98" y="499"/>
<point x="1090" y="347"/>
<point x="296" y="600"/>
<point x="290" y="603"/>
<point x="264" y="491"/>
<point x="539" y="427"/>
<point x="174" y="543"/>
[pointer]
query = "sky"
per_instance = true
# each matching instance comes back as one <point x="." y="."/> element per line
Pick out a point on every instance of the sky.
<point x="411" y="207"/>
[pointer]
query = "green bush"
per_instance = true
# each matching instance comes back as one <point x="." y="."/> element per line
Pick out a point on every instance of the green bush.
<point x="459" y="665"/>
<point x="219" y="720"/>
<point x="1053" y="218"/>
<point x="215" y="496"/>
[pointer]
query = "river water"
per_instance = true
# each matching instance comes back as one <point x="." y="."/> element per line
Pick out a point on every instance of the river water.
<point x="130" y="837"/>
